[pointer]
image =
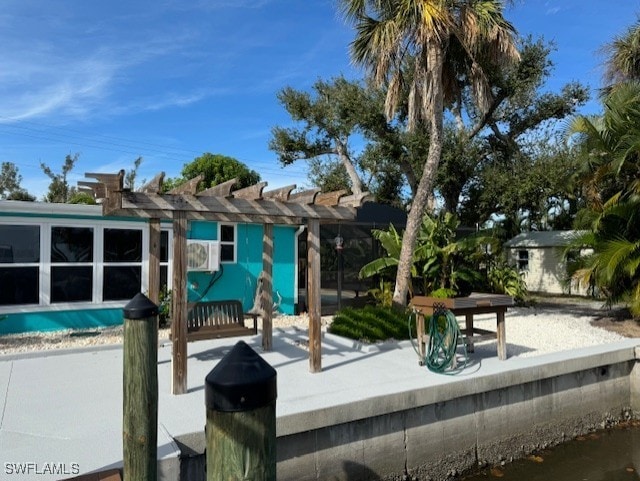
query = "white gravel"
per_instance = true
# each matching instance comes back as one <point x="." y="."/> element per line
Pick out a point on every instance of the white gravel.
<point x="529" y="331"/>
<point x="534" y="331"/>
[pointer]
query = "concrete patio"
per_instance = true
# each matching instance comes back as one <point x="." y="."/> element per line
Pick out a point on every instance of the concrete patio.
<point x="61" y="411"/>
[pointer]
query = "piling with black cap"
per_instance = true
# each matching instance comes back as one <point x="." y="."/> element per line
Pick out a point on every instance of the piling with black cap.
<point x="240" y="396"/>
<point x="140" y="390"/>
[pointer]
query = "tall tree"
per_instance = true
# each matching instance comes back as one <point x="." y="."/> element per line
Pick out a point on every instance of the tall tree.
<point x="520" y="141"/>
<point x="623" y="57"/>
<point x="10" y="180"/>
<point x="342" y="122"/>
<point x="328" y="120"/>
<point x="446" y="40"/>
<point x="130" y="176"/>
<point x="215" y="168"/>
<point x="610" y="146"/>
<point x="59" y="189"/>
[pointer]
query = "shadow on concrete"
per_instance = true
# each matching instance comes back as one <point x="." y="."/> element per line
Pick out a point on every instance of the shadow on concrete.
<point x="358" y="472"/>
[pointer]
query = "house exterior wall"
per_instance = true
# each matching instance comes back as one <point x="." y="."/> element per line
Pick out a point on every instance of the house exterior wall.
<point x="237" y="281"/>
<point x="546" y="270"/>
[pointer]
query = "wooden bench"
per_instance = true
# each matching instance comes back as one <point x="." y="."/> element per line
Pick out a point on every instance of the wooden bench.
<point x="217" y="319"/>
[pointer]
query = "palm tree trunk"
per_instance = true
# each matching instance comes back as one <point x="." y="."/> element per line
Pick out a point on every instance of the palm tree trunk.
<point x="422" y="194"/>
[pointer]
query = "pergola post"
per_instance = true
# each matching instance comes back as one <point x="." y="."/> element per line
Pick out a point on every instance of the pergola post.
<point x="154" y="261"/>
<point x="267" y="287"/>
<point x="313" y="295"/>
<point x="179" y="305"/>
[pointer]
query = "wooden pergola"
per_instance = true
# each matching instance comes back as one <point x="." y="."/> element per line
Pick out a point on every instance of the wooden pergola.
<point x="221" y="203"/>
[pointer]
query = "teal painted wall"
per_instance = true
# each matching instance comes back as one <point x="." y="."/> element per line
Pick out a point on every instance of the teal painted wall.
<point x="238" y="280"/>
<point x="59" y="320"/>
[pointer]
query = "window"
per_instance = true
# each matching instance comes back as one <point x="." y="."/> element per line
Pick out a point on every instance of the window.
<point x="164" y="260"/>
<point x="523" y="260"/>
<point x="122" y="271"/>
<point x="45" y="262"/>
<point x="71" y="264"/>
<point x="19" y="264"/>
<point x="227" y="237"/>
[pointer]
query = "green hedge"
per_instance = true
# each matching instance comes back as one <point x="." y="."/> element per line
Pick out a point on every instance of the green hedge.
<point x="372" y="324"/>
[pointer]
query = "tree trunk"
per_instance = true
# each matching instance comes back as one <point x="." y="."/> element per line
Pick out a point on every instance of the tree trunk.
<point x="421" y="198"/>
<point x="356" y="183"/>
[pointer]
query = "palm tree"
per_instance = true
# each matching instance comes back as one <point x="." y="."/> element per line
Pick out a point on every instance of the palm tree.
<point x="610" y="145"/>
<point x="424" y="47"/>
<point x="623" y="57"/>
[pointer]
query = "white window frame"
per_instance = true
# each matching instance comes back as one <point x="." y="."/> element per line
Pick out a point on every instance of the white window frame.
<point x="234" y="243"/>
<point x="98" y="226"/>
<point x="522" y="261"/>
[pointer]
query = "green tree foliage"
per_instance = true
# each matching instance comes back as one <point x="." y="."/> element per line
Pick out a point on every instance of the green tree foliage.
<point x="332" y="122"/>
<point x="329" y="175"/>
<point x="623" y="58"/>
<point x="516" y="167"/>
<point x="447" y="41"/>
<point x="10" y="180"/>
<point x="82" y="198"/>
<point x="21" y="195"/>
<point x="130" y="176"/>
<point x="215" y="168"/>
<point x="505" y="279"/>
<point x="327" y="122"/>
<point x="461" y="160"/>
<point x="609" y="146"/>
<point x="441" y="261"/>
<point x="59" y="189"/>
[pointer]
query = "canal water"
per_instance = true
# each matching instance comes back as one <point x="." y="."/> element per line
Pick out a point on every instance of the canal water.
<point x="610" y="455"/>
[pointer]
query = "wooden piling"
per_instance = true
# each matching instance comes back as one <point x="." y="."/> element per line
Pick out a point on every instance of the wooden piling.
<point x="140" y="390"/>
<point x="240" y="396"/>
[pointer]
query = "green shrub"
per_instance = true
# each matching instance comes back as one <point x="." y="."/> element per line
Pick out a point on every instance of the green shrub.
<point x="372" y="323"/>
<point x="508" y="280"/>
<point x="164" y="307"/>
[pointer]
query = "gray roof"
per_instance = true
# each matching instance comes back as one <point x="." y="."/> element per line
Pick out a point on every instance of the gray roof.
<point x="550" y="238"/>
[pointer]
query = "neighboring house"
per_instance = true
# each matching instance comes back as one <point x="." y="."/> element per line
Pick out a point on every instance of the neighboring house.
<point x="539" y="255"/>
<point x="65" y="266"/>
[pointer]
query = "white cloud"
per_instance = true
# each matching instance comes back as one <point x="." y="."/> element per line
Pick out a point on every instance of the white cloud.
<point x="61" y="72"/>
<point x="49" y="87"/>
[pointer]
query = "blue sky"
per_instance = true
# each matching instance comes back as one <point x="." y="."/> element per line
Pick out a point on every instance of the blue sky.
<point x="170" y="79"/>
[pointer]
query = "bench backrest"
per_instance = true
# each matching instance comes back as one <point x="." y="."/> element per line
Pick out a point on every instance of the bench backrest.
<point x="215" y="313"/>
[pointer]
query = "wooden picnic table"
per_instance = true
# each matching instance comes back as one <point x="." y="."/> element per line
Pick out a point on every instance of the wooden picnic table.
<point x="475" y="303"/>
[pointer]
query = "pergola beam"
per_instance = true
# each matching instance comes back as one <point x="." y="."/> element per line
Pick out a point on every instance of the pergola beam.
<point x="190" y="187"/>
<point x="219" y="205"/>
<point x="221" y="190"/>
<point x="253" y="192"/>
<point x="305" y="197"/>
<point x="282" y="194"/>
<point x="154" y="186"/>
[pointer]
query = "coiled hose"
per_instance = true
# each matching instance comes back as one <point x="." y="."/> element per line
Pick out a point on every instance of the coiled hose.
<point x="444" y="335"/>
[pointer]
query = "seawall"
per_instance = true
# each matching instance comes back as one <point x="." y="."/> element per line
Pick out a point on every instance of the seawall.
<point x="435" y="432"/>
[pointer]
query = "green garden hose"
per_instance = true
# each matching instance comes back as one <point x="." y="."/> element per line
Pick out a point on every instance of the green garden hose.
<point x="444" y="335"/>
